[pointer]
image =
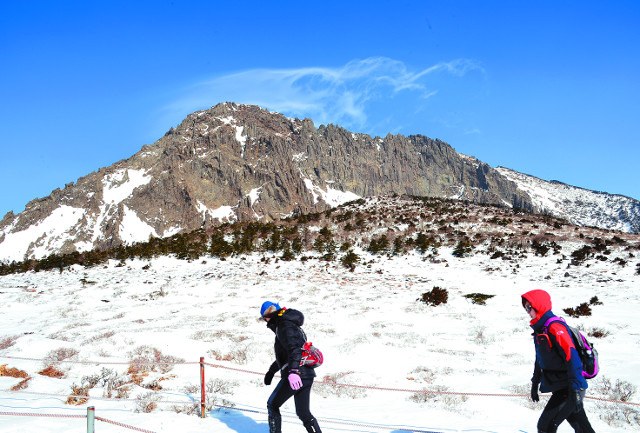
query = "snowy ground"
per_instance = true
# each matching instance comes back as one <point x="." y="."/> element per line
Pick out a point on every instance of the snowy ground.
<point x="367" y="323"/>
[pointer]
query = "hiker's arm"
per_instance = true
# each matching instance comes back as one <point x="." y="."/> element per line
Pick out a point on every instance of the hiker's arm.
<point x="274" y="367"/>
<point x="535" y="382"/>
<point x="537" y="371"/>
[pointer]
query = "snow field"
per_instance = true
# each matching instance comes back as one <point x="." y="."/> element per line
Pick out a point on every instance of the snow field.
<point x="368" y="324"/>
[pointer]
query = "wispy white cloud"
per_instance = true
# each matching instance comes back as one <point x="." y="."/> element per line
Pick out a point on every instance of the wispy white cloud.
<point x="342" y="95"/>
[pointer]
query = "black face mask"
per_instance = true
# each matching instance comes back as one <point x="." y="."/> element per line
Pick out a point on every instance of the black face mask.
<point x="271" y="324"/>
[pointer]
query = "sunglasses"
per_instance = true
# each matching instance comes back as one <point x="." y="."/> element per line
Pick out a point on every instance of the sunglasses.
<point x="528" y="308"/>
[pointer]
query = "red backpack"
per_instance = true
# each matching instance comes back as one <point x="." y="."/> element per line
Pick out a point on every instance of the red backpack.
<point x="311" y="355"/>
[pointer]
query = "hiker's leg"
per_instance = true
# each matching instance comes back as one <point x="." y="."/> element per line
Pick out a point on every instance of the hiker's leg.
<point x="552" y="415"/>
<point x="580" y="422"/>
<point x="302" y="399"/>
<point x="280" y="394"/>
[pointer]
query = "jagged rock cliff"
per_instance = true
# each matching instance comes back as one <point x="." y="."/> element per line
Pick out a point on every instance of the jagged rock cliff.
<point x="240" y="162"/>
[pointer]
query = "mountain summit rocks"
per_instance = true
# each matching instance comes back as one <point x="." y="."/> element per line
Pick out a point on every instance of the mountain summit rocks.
<point x="238" y="163"/>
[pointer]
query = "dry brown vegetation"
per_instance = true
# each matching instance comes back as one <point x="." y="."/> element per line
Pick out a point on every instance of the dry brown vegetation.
<point x="12" y="372"/>
<point x="7" y="342"/>
<point x="82" y="394"/>
<point x="23" y="384"/>
<point x="51" y="371"/>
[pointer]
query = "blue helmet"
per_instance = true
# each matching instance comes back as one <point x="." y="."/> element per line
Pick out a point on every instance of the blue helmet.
<point x="266" y="305"/>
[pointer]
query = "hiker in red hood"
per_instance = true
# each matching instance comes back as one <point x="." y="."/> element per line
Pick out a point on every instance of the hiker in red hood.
<point x="558" y="368"/>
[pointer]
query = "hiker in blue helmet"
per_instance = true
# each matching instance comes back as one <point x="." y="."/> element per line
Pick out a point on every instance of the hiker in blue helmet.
<point x="295" y="379"/>
<point x="557" y="369"/>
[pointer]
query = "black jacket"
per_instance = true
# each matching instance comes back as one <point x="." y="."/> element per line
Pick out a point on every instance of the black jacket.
<point x="289" y="341"/>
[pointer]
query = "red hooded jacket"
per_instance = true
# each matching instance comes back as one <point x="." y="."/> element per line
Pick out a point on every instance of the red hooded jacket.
<point x="558" y="364"/>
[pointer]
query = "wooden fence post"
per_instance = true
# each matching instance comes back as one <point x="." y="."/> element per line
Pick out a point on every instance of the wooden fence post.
<point x="202" y="398"/>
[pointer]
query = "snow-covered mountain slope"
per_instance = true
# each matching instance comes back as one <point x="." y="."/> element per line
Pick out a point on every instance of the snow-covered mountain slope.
<point x="368" y="322"/>
<point x="577" y="205"/>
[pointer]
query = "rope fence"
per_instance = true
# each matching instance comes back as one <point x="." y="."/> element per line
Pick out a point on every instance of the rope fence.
<point x="119" y="424"/>
<point x="44" y="394"/>
<point x="420" y="391"/>
<point x="53" y="415"/>
<point x="347" y="385"/>
<point x="105" y="362"/>
<point x="192" y="400"/>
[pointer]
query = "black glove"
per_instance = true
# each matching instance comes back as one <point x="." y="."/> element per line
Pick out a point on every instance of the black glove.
<point x="534" y="392"/>
<point x="574" y="400"/>
<point x="269" y="377"/>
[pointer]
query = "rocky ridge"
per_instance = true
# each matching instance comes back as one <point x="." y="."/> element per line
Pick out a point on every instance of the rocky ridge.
<point x="578" y="205"/>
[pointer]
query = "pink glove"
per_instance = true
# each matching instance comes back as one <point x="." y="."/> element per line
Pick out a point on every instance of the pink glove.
<point x="294" y="381"/>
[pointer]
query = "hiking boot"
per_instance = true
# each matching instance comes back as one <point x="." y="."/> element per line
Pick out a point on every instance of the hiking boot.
<point x="312" y="426"/>
<point x="275" y="424"/>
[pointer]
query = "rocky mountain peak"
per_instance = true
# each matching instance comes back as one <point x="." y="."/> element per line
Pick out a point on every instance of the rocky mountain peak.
<point x="237" y="162"/>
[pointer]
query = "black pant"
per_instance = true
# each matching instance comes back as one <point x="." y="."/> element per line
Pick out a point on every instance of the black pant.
<point x="557" y="411"/>
<point x="283" y="392"/>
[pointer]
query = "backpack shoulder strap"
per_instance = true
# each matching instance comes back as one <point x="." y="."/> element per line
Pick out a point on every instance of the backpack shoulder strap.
<point x="547" y="325"/>
<point x="550" y="320"/>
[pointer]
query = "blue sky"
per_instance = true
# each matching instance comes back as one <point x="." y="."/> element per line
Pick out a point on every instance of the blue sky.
<point x="543" y="87"/>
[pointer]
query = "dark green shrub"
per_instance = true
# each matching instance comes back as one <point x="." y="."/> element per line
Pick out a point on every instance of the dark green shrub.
<point x="380" y="245"/>
<point x="540" y="249"/>
<point x="329" y="251"/>
<point x="287" y="255"/>
<point x="423" y="242"/>
<point x="501" y="221"/>
<point x="580" y="255"/>
<point x="325" y="233"/>
<point x="219" y="247"/>
<point x="350" y="260"/>
<point x="478" y="298"/>
<point x="345" y="247"/>
<point x="581" y="310"/>
<point x="496" y="255"/>
<point x="296" y="246"/>
<point x="620" y="261"/>
<point x="462" y="249"/>
<point x="319" y="244"/>
<point x="398" y="247"/>
<point x="599" y="245"/>
<point x="598" y="333"/>
<point x="435" y="297"/>
<point x="274" y="243"/>
<point x="343" y="217"/>
<point x="570" y="312"/>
